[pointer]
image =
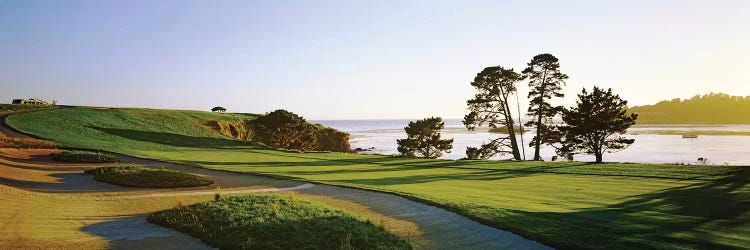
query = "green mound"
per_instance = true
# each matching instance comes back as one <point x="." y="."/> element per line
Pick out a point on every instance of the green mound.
<point x="275" y="222"/>
<point x="83" y="157"/>
<point x="135" y="176"/>
<point x="129" y="131"/>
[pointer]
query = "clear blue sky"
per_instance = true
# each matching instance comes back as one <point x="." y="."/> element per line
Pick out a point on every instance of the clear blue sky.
<point x="360" y="59"/>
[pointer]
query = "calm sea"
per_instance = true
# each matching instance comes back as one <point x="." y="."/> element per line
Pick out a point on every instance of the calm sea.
<point x="380" y="136"/>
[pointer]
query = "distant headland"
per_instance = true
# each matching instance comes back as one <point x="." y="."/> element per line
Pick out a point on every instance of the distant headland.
<point x="713" y="108"/>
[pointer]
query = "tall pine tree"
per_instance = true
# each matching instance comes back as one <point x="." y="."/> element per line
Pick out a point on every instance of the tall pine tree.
<point x="490" y="106"/>
<point x="545" y="81"/>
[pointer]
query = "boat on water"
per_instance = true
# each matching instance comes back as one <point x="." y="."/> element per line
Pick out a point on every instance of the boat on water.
<point x="690" y="136"/>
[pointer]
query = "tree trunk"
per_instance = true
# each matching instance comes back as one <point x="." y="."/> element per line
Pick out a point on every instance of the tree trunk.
<point x="512" y="133"/>
<point x="513" y="142"/>
<point x="540" y="111"/>
<point x="520" y="125"/>
<point x="538" y="141"/>
<point x="598" y="157"/>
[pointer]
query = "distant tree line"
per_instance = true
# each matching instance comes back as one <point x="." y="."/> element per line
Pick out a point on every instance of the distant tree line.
<point x="595" y="125"/>
<point x="715" y="108"/>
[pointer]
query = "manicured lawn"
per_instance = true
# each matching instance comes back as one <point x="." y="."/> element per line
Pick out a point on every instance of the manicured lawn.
<point x="275" y="222"/>
<point x="567" y="205"/>
<point x="136" y="176"/>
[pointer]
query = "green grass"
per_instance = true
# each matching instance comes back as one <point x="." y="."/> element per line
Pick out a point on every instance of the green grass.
<point x="564" y="204"/>
<point x="83" y="157"/>
<point x="130" y="130"/>
<point x="275" y="222"/>
<point x="137" y="176"/>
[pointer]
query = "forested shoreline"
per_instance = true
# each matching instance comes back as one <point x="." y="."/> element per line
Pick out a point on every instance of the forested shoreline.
<point x="713" y="108"/>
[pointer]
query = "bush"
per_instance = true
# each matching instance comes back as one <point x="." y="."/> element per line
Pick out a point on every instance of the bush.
<point x="136" y="176"/>
<point x="287" y="130"/>
<point x="83" y="157"/>
<point x="282" y="129"/>
<point x="275" y="222"/>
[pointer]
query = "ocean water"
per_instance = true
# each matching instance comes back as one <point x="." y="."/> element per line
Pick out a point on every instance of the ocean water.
<point x="380" y="136"/>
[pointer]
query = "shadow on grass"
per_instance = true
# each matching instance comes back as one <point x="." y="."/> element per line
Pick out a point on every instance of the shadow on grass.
<point x="704" y="215"/>
<point x="67" y="183"/>
<point x="134" y="232"/>
<point x="170" y="139"/>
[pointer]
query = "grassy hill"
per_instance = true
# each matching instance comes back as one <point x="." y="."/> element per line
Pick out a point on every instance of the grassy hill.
<point x="127" y="131"/>
<point x="706" y="109"/>
<point x="566" y="205"/>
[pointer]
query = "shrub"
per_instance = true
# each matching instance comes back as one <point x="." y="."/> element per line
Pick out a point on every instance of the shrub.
<point x="83" y="157"/>
<point x="282" y="129"/>
<point x="275" y="222"/>
<point x="137" y="176"/>
<point x="330" y="139"/>
<point x="287" y="130"/>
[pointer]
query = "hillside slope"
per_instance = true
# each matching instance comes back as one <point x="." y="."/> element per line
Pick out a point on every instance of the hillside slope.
<point x="706" y="109"/>
<point x="127" y="130"/>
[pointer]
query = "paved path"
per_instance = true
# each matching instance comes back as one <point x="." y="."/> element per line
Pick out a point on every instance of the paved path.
<point x="7" y="130"/>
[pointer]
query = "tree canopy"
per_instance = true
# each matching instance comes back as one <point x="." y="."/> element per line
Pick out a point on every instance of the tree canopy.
<point x="595" y="124"/>
<point x="218" y="109"/>
<point x="423" y="139"/>
<point x="490" y="106"/>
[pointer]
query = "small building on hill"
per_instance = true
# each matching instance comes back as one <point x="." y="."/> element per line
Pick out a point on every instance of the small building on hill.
<point x="30" y="101"/>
